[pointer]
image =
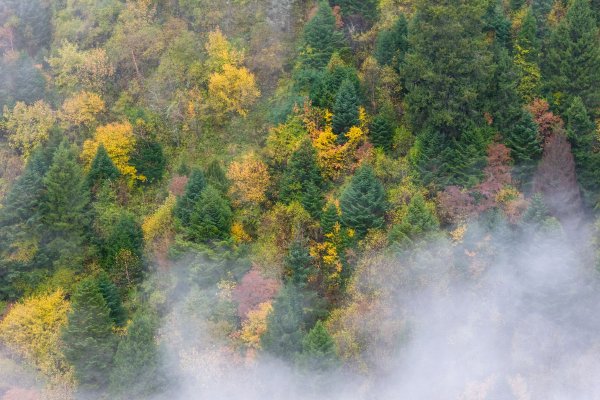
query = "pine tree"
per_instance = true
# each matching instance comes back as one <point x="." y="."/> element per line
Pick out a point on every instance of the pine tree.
<point x="193" y="190"/>
<point x="111" y="296"/>
<point x="323" y="91"/>
<point x="345" y="110"/>
<point x="392" y="44"/>
<point x="363" y="202"/>
<point x="320" y="38"/>
<point x="88" y="339"/>
<point x="149" y="160"/>
<point x="573" y="59"/>
<point x="329" y="218"/>
<point x="211" y="217"/>
<point x="136" y="361"/>
<point x="285" y="325"/>
<point x="102" y="169"/>
<point x="126" y="234"/>
<point x="301" y="171"/>
<point x="382" y="132"/>
<point x="525" y="147"/>
<point x="418" y="223"/>
<point x="318" y="349"/>
<point x="299" y="264"/>
<point x="312" y="200"/>
<point x="463" y="161"/>
<point x="64" y="207"/>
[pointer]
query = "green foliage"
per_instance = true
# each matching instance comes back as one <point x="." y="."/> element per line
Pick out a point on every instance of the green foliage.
<point x="149" y="160"/>
<point x="88" y="338"/>
<point x="418" y="223"/>
<point x="187" y="202"/>
<point x="318" y="349"/>
<point x="392" y="44"/>
<point x="363" y="202"/>
<point x="527" y="51"/>
<point x="572" y="65"/>
<point x="111" y="296"/>
<point x="525" y="147"/>
<point x="496" y="24"/>
<point x="211" y="217"/>
<point x="381" y="132"/>
<point x="324" y="90"/>
<point x="345" y="110"/>
<point x="102" y="168"/>
<point x="299" y="264"/>
<point x="216" y="176"/>
<point x="285" y="324"/>
<point x="312" y="200"/>
<point x="329" y="218"/>
<point x="365" y="8"/>
<point x="320" y="38"/>
<point x="126" y="234"/>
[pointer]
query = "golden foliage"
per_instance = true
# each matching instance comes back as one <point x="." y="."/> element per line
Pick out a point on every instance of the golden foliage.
<point x="232" y="90"/>
<point x="255" y="325"/>
<point x="249" y="180"/>
<point x="159" y="223"/>
<point x="32" y="330"/>
<point x="28" y="125"/>
<point x="239" y="234"/>
<point x="81" y="109"/>
<point x="221" y="52"/>
<point x="119" y="142"/>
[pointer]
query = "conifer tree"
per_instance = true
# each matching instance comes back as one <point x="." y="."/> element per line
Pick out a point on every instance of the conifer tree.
<point x="102" y="168"/>
<point x="211" y="217"/>
<point x="392" y="44"/>
<point x="186" y="202"/>
<point x="318" y="349"/>
<point x="299" y="264"/>
<point x="320" y="38"/>
<point x="329" y="218"/>
<point x="345" y="110"/>
<point x="527" y="51"/>
<point x="418" y="223"/>
<point x="136" y="360"/>
<point x="365" y="8"/>
<point x="149" y="160"/>
<point x="127" y="235"/>
<point x="301" y="171"/>
<point x="312" y="200"/>
<point x="463" y="161"/>
<point x="525" y="147"/>
<point x="65" y="202"/>
<point x="324" y="91"/>
<point x="216" y="176"/>
<point x="111" y="296"/>
<point x="88" y="339"/>
<point x="285" y="325"/>
<point x="573" y="59"/>
<point x="363" y="202"/>
<point x="497" y="24"/>
<point x="382" y="132"/>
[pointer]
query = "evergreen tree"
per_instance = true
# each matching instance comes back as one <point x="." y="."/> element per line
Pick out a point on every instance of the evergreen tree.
<point x="324" y="90"/>
<point x="88" y="339"/>
<point x="463" y="161"/>
<point x="363" y="202"/>
<point x="382" y="132"/>
<point x="186" y="202"/>
<point x="216" y="176"/>
<point x="496" y="24"/>
<point x="299" y="264"/>
<point x="573" y="59"/>
<point x="320" y="38"/>
<point x="136" y="360"/>
<point x="418" y="223"/>
<point x="329" y="218"/>
<point x="345" y="110"/>
<point x="65" y="202"/>
<point x="301" y="172"/>
<point x="318" y="349"/>
<point x="149" y="160"/>
<point x="525" y="147"/>
<point x="285" y="325"/>
<point x="102" y="168"/>
<point x="527" y="58"/>
<point x="312" y="200"/>
<point x="111" y="296"/>
<point x="516" y="5"/>
<point x="365" y="8"/>
<point x="392" y="44"/>
<point x="127" y="235"/>
<point x="211" y="217"/>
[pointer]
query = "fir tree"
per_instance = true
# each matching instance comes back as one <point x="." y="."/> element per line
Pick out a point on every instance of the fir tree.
<point x="88" y="339"/>
<point x="301" y="172"/>
<point x="318" y="349"/>
<point x="418" y="223"/>
<point x="285" y="325"/>
<point x="382" y="132"/>
<point x="392" y="44"/>
<point x="111" y="296"/>
<point x="363" y="202"/>
<point x="463" y="161"/>
<point x="345" y="110"/>
<point x="126" y="234"/>
<point x="136" y="360"/>
<point x="216" y="176"/>
<point x="211" y="217"/>
<point x="65" y="202"/>
<point x="312" y="200"/>
<point x="324" y="91"/>
<point x="329" y="218"/>
<point x="497" y="24"/>
<point x="186" y="202"/>
<point x="149" y="160"/>
<point x="525" y="147"/>
<point x="299" y="264"/>
<point x="573" y="59"/>
<point x="102" y="168"/>
<point x="320" y="38"/>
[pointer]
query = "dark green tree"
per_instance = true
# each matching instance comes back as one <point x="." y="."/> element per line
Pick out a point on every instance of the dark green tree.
<point x="88" y="339"/>
<point x="497" y="25"/>
<point x="463" y="161"/>
<point x="102" y="169"/>
<point x="111" y="296"/>
<point x="525" y="146"/>
<point x="285" y="324"/>
<point x="419" y="223"/>
<point x="381" y="132"/>
<point x="216" y="176"/>
<point x="298" y="264"/>
<point x="572" y="66"/>
<point x="516" y="5"/>
<point x="323" y="91"/>
<point x="149" y="160"/>
<point x="126" y="234"/>
<point x="211" y="217"/>
<point x="363" y="202"/>
<point x="312" y="200"/>
<point x="320" y="38"/>
<point x="345" y="110"/>
<point x="329" y="218"/>
<point x="352" y="8"/>
<point x="392" y="44"/>
<point x="318" y="349"/>
<point x="136" y="362"/>
<point x="186" y="202"/>
<point x="301" y="169"/>
<point x="64" y="208"/>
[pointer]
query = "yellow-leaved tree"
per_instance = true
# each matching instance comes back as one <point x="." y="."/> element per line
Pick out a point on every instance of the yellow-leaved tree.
<point x="221" y="52"/>
<point x="81" y="109"/>
<point x="232" y="90"/>
<point x="31" y="329"/>
<point x="255" y="325"/>
<point x="249" y="180"/>
<point x="119" y="142"/>
<point x="28" y="125"/>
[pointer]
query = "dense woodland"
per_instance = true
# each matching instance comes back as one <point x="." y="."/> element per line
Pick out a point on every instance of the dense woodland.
<point x="189" y="187"/>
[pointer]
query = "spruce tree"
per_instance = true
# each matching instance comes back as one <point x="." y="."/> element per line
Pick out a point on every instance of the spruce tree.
<point x="318" y="349"/>
<point x="312" y="200"/>
<point x="186" y="202"/>
<point x="324" y="91"/>
<point x="88" y="338"/>
<point x="320" y="38"/>
<point x="102" y="169"/>
<point x="111" y="296"/>
<point x="497" y="25"/>
<point x="363" y="202"/>
<point x="573" y="59"/>
<point x="525" y="147"/>
<point x="211" y="217"/>
<point x="418" y="223"/>
<point x="126" y="234"/>
<point x="329" y="218"/>
<point x="345" y="110"/>
<point x="149" y="160"/>
<point x="285" y="324"/>
<point x="216" y="176"/>
<point x="64" y="207"/>
<point x="392" y="44"/>
<point x="136" y="361"/>
<point x="462" y="162"/>
<point x="382" y="132"/>
<point x="299" y="264"/>
<point x="301" y="171"/>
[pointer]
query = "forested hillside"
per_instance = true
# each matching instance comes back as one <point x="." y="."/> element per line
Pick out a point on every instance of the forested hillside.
<point x="268" y="199"/>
